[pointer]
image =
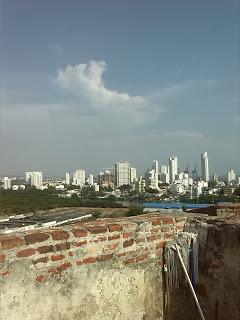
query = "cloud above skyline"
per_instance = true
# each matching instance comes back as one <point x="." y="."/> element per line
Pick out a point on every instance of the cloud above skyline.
<point x="85" y="82"/>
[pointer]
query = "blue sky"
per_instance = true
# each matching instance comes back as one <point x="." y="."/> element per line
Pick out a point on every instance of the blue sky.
<point x="87" y="83"/>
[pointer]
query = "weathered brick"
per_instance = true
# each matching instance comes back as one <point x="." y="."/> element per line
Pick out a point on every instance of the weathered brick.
<point x="36" y="237"/>
<point x="113" y="246"/>
<point x="129" y="261"/>
<point x="104" y="257"/>
<point x="100" y="239"/>
<point x="62" y="246"/>
<point x="167" y="220"/>
<point x="9" y="242"/>
<point x="80" y="244"/>
<point x="169" y="236"/>
<point x="26" y="252"/>
<point x="80" y="232"/>
<point x="114" y="227"/>
<point x="116" y="236"/>
<point x="160" y="245"/>
<point x="156" y="221"/>
<point x="64" y="266"/>
<point x="142" y="257"/>
<point x="5" y="273"/>
<point x="87" y="261"/>
<point x="2" y="258"/>
<point x="128" y="235"/>
<point x="60" y="235"/>
<point x="139" y="240"/>
<point x="128" y="243"/>
<point x="45" y="249"/>
<point x="152" y="238"/>
<point x="41" y="260"/>
<point x="57" y="257"/>
<point x="40" y="278"/>
<point x="97" y="229"/>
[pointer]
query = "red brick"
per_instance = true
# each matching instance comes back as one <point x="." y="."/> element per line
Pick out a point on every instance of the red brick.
<point x="140" y="240"/>
<point x="100" y="239"/>
<point x="104" y="257"/>
<point x="41" y="260"/>
<point x="113" y="246"/>
<point x="142" y="257"/>
<point x="129" y="261"/>
<point x="114" y="227"/>
<point x="45" y="249"/>
<point x="40" y="278"/>
<point x="116" y="236"/>
<point x="79" y="233"/>
<point x="57" y="257"/>
<point x="160" y="245"/>
<point x="97" y="229"/>
<point x="4" y="274"/>
<point x="2" y="258"/>
<point x="128" y="235"/>
<point x="156" y="222"/>
<point x="128" y="243"/>
<point x="122" y="254"/>
<point x="87" y="261"/>
<point x="9" y="242"/>
<point x="159" y="252"/>
<point x="62" y="246"/>
<point x="60" y="235"/>
<point x="167" y="220"/>
<point x="152" y="238"/>
<point x="36" y="237"/>
<point x="26" y="252"/>
<point x="64" y="266"/>
<point x="169" y="236"/>
<point x="80" y="244"/>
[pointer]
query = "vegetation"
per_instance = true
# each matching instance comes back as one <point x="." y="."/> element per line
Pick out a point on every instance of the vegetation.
<point x="32" y="200"/>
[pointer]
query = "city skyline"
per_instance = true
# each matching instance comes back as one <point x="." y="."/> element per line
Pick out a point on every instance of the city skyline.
<point x="92" y="82"/>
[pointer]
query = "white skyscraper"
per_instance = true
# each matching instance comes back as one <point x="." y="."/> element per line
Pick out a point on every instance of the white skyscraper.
<point x="36" y="179"/>
<point x="28" y="177"/>
<point x="6" y="183"/>
<point x="173" y="168"/>
<point x="90" y="179"/>
<point x="204" y="167"/>
<point x="79" y="177"/>
<point x="122" y="173"/>
<point x="67" y="178"/>
<point x="133" y="174"/>
<point x="151" y="179"/>
<point x="155" y="166"/>
<point x="231" y="176"/>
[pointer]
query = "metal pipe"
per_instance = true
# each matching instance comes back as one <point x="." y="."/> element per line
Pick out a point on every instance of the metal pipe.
<point x="190" y="284"/>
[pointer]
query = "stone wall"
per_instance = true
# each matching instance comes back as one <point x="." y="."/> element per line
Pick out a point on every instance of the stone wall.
<point x="218" y="288"/>
<point x="104" y="269"/>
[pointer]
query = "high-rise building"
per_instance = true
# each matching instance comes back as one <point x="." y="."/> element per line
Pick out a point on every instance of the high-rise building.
<point x="122" y="173"/>
<point x="164" y="169"/>
<point x="204" y="167"/>
<point x="106" y="179"/>
<point x="79" y="177"/>
<point x="151" y="178"/>
<point x="36" y="179"/>
<point x="173" y="168"/>
<point x="231" y="176"/>
<point x="28" y="177"/>
<point x="133" y="174"/>
<point x="90" y="179"/>
<point x="67" y="178"/>
<point x="155" y="166"/>
<point x="6" y="183"/>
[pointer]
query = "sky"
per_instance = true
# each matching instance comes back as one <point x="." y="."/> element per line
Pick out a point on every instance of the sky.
<point x="87" y="83"/>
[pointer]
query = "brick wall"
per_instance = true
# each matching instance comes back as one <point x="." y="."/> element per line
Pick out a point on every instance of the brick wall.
<point x="50" y="252"/>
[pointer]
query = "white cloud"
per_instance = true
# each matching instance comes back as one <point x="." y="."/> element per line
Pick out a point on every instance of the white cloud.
<point x="85" y="82"/>
<point x="184" y="133"/>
